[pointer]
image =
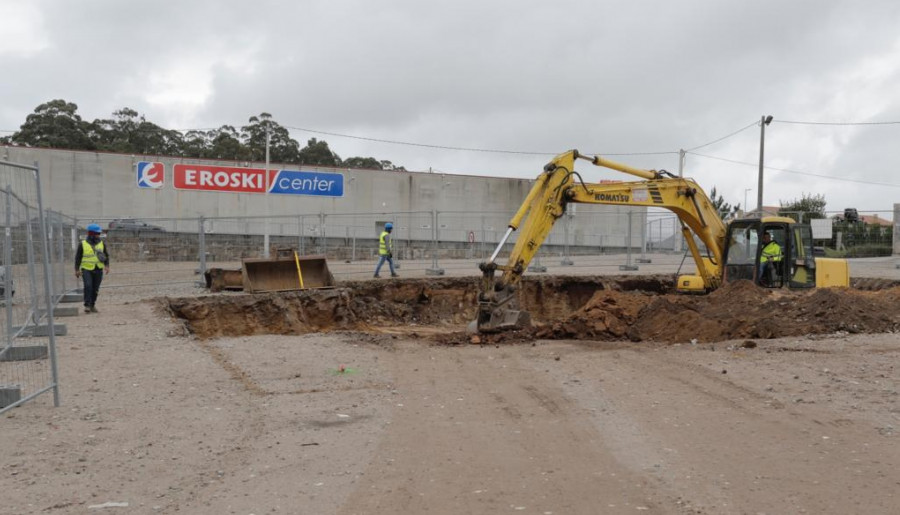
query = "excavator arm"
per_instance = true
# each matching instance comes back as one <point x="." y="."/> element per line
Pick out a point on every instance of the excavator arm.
<point x="559" y="185"/>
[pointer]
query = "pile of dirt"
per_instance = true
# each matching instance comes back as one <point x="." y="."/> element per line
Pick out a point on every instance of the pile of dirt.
<point x="607" y="308"/>
<point x="737" y="310"/>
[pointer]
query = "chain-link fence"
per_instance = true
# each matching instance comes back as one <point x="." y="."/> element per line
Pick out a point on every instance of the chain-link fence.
<point x="428" y="242"/>
<point x="32" y="281"/>
<point x="851" y="233"/>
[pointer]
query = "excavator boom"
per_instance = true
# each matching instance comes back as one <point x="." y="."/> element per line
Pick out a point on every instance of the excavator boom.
<point x="559" y="185"/>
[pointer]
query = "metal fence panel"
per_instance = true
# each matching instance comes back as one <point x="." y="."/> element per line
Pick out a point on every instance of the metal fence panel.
<point x="32" y="282"/>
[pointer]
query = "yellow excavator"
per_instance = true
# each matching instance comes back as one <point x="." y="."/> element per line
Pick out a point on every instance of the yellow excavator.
<point x="733" y="251"/>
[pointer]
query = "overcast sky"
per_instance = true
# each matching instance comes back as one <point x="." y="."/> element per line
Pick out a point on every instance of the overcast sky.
<point x="609" y="77"/>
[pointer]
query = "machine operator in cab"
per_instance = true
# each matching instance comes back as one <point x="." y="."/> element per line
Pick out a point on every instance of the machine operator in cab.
<point x="769" y="258"/>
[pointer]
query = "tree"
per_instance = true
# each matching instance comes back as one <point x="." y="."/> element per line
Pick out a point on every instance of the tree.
<point x="196" y="143"/>
<point x="387" y="165"/>
<point x="55" y="124"/>
<point x="363" y="162"/>
<point x="129" y="132"/>
<point x="225" y="143"/>
<point x="317" y="153"/>
<point x="812" y="206"/>
<point x="282" y="148"/>
<point x="723" y="208"/>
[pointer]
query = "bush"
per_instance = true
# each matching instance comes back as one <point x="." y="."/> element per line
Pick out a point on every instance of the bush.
<point x="872" y="250"/>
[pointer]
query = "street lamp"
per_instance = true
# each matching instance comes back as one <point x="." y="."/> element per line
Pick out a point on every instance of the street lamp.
<point x="765" y="120"/>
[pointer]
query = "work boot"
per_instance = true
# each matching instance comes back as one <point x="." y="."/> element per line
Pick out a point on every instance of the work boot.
<point x="87" y="309"/>
<point x="377" y="276"/>
<point x="395" y="275"/>
<point x="93" y="309"/>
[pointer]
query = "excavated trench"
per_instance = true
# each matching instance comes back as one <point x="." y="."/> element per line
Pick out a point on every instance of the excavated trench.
<point x="635" y="308"/>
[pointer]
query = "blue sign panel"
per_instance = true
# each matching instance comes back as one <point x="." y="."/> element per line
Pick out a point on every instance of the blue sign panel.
<point x="295" y="182"/>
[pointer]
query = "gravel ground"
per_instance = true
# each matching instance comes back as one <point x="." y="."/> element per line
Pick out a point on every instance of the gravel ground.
<point x="154" y="421"/>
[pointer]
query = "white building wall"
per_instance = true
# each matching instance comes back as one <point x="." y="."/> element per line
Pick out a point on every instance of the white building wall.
<point x="103" y="185"/>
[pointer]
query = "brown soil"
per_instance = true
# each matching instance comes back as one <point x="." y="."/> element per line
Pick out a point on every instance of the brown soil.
<point x="378" y="421"/>
<point x="579" y="308"/>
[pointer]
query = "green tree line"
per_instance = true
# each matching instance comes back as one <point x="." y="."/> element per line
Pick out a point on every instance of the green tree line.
<point x="57" y="124"/>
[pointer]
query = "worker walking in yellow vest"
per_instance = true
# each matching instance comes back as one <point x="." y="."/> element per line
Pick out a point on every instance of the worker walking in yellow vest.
<point x="91" y="262"/>
<point x="386" y="250"/>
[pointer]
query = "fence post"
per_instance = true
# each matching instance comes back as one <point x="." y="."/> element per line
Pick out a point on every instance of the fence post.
<point x="300" y="218"/>
<point x="434" y="270"/>
<point x="566" y="260"/>
<point x="29" y="243"/>
<point x="201" y="244"/>
<point x="54" y="371"/>
<point x="324" y="245"/>
<point x="482" y="238"/>
<point x="644" y="258"/>
<point x="62" y="257"/>
<point x="628" y="265"/>
<point x="8" y="269"/>
<point x="396" y="218"/>
<point x="300" y="234"/>
<point x="50" y="246"/>
<point x="536" y="265"/>
<point x="660" y="240"/>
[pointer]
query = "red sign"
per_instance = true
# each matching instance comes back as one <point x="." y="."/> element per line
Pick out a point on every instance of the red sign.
<point x="221" y="178"/>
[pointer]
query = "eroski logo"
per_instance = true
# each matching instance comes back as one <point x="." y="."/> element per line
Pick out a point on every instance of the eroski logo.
<point x="150" y="174"/>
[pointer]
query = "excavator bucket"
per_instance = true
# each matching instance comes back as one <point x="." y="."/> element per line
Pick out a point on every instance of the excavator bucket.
<point x="286" y="273"/>
<point x="500" y="319"/>
<point x="499" y="312"/>
<point x="218" y="279"/>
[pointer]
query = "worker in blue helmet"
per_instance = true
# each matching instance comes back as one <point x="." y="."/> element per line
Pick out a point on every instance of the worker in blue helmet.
<point x="91" y="262"/>
<point x="386" y="250"/>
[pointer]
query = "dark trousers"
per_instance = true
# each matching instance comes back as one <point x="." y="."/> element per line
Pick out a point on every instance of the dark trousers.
<point x="92" y="280"/>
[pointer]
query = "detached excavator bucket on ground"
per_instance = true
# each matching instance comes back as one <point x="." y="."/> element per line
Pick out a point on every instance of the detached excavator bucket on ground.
<point x="286" y="273"/>
<point x="218" y="279"/>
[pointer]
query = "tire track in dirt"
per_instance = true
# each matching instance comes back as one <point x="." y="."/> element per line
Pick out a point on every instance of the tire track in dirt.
<point x="725" y="445"/>
<point x="447" y="451"/>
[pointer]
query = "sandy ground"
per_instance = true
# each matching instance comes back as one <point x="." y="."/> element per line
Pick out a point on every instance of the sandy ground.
<point x="153" y="421"/>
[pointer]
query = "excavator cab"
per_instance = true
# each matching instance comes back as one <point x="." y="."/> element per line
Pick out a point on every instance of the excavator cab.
<point x="787" y="262"/>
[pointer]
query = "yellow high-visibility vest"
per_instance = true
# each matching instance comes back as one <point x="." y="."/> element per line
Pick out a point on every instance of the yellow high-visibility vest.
<point x="382" y="245"/>
<point x="89" y="260"/>
<point x="771" y="250"/>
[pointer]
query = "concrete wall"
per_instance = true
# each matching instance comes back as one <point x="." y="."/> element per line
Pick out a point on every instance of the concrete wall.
<point x="91" y="185"/>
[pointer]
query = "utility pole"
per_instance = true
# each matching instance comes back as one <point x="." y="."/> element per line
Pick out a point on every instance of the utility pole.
<point x="266" y="198"/>
<point x="765" y="120"/>
<point x="677" y="235"/>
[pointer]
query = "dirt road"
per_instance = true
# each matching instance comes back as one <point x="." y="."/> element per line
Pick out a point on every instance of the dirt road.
<point x="384" y="422"/>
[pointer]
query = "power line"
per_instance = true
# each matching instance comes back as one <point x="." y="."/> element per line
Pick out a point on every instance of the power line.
<point x="521" y="152"/>
<point x="466" y="149"/>
<point x="425" y="145"/>
<point x="786" y="170"/>
<point x="837" y="123"/>
<point x="724" y="137"/>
